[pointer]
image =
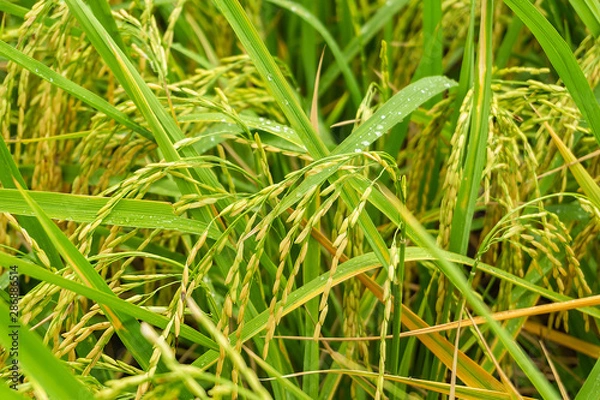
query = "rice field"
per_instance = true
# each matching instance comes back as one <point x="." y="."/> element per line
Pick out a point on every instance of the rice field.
<point x="298" y="199"/>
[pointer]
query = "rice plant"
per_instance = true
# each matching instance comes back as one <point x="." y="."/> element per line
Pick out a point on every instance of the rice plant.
<point x="299" y="199"/>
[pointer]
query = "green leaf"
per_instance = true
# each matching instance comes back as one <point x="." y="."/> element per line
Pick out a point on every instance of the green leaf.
<point x="468" y="191"/>
<point x="103" y="13"/>
<point x="10" y="394"/>
<point x="13" y="9"/>
<point x="591" y="386"/>
<point x="127" y="212"/>
<point x="589" y="12"/>
<point x="393" y="112"/>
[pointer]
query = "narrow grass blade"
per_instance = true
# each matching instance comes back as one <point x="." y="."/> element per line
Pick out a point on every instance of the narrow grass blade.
<point x="36" y="360"/>
<point x="10" y="394"/>
<point x="342" y="63"/>
<point x="589" y="12"/>
<point x="311" y="361"/>
<point x="13" y="9"/>
<point x="591" y="386"/>
<point x="478" y="135"/>
<point x="78" y="208"/>
<point x="397" y="294"/>
<point x="203" y="62"/>
<point x="264" y="124"/>
<point x="393" y="112"/>
<point x="103" y="13"/>
<point x="561" y="302"/>
<point x="562" y="59"/>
